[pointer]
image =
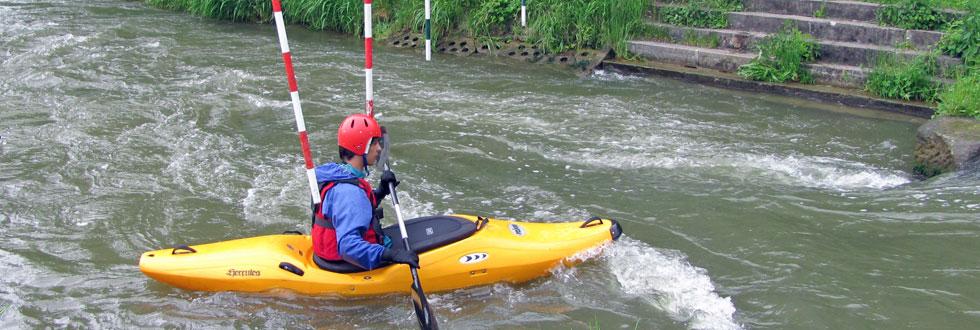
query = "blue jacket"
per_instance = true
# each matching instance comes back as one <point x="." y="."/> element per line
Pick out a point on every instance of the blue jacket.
<point x="351" y="212"/>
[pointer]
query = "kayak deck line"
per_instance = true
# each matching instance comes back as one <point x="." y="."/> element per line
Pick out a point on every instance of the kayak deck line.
<point x="494" y="251"/>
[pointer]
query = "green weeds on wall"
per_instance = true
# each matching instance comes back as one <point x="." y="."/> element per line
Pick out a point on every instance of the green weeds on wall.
<point x="912" y="14"/>
<point x="782" y="57"/>
<point x="893" y="78"/>
<point x="962" y="39"/>
<point x="699" y="13"/>
<point x="962" y="98"/>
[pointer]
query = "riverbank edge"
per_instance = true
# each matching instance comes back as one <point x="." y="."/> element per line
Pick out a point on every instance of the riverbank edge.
<point x="816" y="93"/>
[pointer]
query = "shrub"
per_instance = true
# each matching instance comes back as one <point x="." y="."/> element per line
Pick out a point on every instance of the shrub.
<point x="962" y="98"/>
<point x="962" y="39"/>
<point x="493" y="17"/>
<point x="896" y="79"/>
<point x="912" y="14"/>
<point x="782" y="57"/>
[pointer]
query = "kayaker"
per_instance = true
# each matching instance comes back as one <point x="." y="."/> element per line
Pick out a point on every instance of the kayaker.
<point x="346" y="226"/>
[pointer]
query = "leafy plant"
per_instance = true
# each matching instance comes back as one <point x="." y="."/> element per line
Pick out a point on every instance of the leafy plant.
<point x="782" y="57"/>
<point x="897" y="79"/>
<point x="694" y="14"/>
<point x="962" y="39"/>
<point x="962" y="98"/>
<point x="912" y="14"/>
<point x="493" y="16"/>
<point x="821" y="11"/>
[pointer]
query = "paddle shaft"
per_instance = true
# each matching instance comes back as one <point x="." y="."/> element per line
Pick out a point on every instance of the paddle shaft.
<point x="422" y="310"/>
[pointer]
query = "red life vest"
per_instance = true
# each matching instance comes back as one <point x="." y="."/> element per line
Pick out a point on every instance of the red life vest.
<point x="325" y="236"/>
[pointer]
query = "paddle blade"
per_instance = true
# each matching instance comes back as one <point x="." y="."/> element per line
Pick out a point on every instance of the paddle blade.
<point x="427" y="319"/>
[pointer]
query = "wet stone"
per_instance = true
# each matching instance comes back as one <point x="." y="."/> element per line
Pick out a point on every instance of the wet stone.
<point x="947" y="144"/>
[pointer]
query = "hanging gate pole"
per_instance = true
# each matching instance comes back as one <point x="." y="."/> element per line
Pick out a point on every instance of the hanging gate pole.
<point x="304" y="141"/>
<point x="523" y="12"/>
<point x="368" y="60"/>
<point x="428" y="31"/>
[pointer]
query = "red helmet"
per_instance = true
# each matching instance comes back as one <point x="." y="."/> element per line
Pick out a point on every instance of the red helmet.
<point x="356" y="131"/>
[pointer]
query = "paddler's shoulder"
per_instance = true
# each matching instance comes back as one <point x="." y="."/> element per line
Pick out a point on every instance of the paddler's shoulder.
<point x="332" y="172"/>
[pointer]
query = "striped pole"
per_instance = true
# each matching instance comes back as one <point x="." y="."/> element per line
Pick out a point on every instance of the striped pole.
<point x="428" y="31"/>
<point x="294" y="95"/>
<point x="523" y="12"/>
<point x="368" y="61"/>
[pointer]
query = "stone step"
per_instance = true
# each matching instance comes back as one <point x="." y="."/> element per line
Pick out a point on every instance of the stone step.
<point x="834" y="30"/>
<point x="839" y="52"/>
<point x="727" y="60"/>
<point x="831" y="9"/>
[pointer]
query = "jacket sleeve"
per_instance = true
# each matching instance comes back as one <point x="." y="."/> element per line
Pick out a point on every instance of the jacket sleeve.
<point x="352" y="214"/>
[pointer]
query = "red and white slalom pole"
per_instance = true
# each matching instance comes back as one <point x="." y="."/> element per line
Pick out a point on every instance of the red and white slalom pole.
<point x="294" y="95"/>
<point x="368" y="60"/>
<point x="523" y="12"/>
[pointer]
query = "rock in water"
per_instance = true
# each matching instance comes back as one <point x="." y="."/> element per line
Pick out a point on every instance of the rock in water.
<point x="947" y="144"/>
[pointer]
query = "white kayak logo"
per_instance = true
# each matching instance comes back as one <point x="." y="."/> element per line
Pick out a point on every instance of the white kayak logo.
<point x="473" y="258"/>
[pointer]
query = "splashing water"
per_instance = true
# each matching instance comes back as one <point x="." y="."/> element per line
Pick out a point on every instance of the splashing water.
<point x="668" y="282"/>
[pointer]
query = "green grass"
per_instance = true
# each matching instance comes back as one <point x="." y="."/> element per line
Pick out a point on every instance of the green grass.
<point x="494" y="17"/>
<point x="912" y="14"/>
<point x="555" y="25"/>
<point x="559" y="25"/>
<point x="782" y="57"/>
<point x="906" y="80"/>
<point x="962" y="39"/>
<point x="950" y="4"/>
<point x="692" y="38"/>
<point x="699" y="13"/>
<point x="822" y="11"/>
<point x="962" y="98"/>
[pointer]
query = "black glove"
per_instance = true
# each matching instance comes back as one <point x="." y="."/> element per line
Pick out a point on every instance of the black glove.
<point x="383" y="190"/>
<point x="401" y="257"/>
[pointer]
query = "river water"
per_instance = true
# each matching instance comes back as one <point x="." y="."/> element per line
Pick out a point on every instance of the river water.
<point x="127" y="128"/>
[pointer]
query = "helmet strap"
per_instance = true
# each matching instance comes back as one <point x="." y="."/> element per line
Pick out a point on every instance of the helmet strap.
<point x="367" y="169"/>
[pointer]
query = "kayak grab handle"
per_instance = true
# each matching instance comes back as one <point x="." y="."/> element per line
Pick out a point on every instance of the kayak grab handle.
<point x="592" y="219"/>
<point x="290" y="268"/>
<point x="292" y="232"/>
<point x="183" y="247"/>
<point x="481" y="222"/>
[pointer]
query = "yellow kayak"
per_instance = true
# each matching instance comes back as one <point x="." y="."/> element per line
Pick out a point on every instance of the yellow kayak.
<point x="455" y="251"/>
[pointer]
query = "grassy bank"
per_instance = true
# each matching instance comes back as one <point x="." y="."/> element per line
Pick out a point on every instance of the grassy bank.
<point x="555" y="25"/>
<point x="947" y="4"/>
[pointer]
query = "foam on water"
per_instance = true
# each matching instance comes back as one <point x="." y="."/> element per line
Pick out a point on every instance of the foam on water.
<point x="794" y="170"/>
<point x="274" y="189"/>
<point x="667" y="281"/>
<point x="823" y="172"/>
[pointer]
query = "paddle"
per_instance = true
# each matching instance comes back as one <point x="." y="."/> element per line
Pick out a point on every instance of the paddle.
<point x="427" y="319"/>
